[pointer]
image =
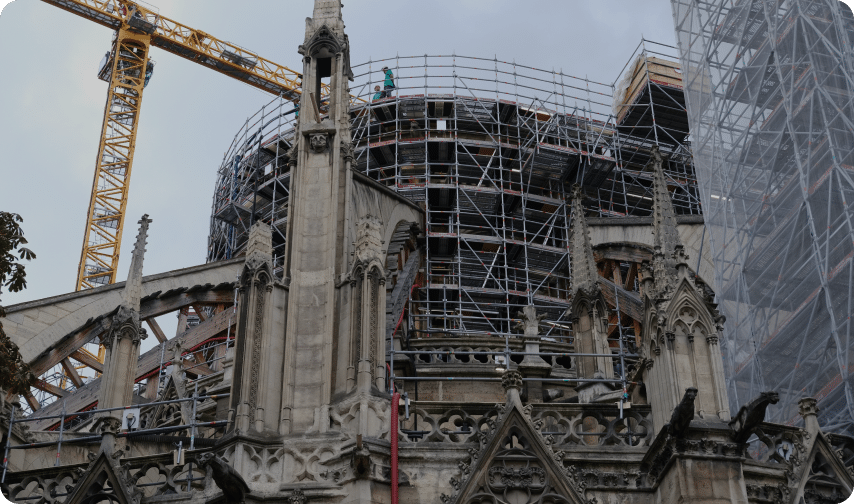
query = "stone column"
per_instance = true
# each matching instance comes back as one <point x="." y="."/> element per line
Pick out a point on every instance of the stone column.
<point x="122" y="344"/>
<point x="317" y="216"/>
<point x="259" y="339"/>
<point x="532" y="366"/>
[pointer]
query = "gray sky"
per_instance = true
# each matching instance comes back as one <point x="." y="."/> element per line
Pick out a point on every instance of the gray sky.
<point x="51" y="102"/>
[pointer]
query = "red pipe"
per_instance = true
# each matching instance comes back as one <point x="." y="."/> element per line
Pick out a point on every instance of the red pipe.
<point x="400" y="319"/>
<point x="395" y="417"/>
<point x="395" y="404"/>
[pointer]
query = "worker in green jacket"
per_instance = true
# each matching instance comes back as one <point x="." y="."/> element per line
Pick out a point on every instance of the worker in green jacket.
<point x="388" y="85"/>
<point x="379" y="94"/>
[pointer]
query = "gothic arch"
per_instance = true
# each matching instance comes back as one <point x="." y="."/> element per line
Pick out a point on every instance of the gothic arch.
<point x="685" y="298"/>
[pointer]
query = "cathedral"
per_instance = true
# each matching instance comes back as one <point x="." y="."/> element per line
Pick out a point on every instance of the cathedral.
<point x="318" y="396"/>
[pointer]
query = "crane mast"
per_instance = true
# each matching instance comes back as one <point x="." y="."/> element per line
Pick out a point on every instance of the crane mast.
<point x="108" y="202"/>
<point x="138" y="28"/>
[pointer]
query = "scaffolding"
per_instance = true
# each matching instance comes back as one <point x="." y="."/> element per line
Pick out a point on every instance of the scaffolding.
<point x="489" y="149"/>
<point x="770" y="87"/>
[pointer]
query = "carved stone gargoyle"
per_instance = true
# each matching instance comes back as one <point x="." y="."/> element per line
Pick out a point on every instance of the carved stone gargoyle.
<point x="744" y="424"/>
<point x="233" y="487"/>
<point x="682" y="415"/>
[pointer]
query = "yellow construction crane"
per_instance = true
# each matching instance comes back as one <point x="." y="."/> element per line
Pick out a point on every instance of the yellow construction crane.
<point x="127" y="68"/>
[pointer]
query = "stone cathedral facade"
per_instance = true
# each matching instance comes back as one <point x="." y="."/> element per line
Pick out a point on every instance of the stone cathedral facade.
<point x="301" y="408"/>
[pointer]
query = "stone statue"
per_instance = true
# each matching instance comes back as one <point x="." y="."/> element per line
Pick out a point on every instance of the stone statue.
<point x="750" y="416"/>
<point x="682" y="414"/>
<point x="233" y="487"/>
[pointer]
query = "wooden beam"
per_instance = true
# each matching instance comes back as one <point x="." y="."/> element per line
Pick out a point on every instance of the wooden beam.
<point x="630" y="278"/>
<point x="71" y="343"/>
<point x="618" y="273"/>
<point x="155" y="328"/>
<point x="87" y="360"/>
<point x="71" y="371"/>
<point x="199" y="312"/>
<point x="157" y="307"/>
<point x="607" y="269"/>
<point x="49" y="388"/>
<point x="31" y="400"/>
<point x="216" y="325"/>
<point x="199" y="367"/>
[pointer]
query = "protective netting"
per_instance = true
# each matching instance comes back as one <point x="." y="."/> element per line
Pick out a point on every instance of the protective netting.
<point x="769" y="95"/>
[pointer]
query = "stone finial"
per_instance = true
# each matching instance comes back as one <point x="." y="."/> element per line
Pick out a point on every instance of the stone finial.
<point x="511" y="379"/>
<point x="585" y="276"/>
<point x="259" y="248"/>
<point x="667" y="246"/>
<point x="664" y="218"/>
<point x="530" y="323"/>
<point x="133" y="286"/>
<point x="297" y="497"/>
<point x="808" y="409"/>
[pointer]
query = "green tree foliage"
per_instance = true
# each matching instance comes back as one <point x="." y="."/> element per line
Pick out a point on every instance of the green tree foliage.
<point x="15" y="375"/>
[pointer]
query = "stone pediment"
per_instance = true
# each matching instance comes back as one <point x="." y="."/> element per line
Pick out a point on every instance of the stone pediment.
<point x="105" y="481"/>
<point x="514" y="464"/>
<point x="823" y="478"/>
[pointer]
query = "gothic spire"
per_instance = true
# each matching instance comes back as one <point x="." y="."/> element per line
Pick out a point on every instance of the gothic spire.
<point x="668" y="250"/>
<point x="133" y="286"/>
<point x="664" y="219"/>
<point x="584" y="273"/>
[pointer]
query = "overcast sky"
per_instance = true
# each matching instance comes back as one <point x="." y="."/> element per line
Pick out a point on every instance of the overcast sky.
<point x="51" y="101"/>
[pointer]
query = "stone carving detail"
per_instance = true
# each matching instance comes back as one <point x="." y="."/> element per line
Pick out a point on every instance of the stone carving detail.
<point x="151" y="477"/>
<point x="318" y="142"/>
<point x="450" y="354"/>
<point x="264" y="464"/>
<point x="257" y="333"/>
<point x="324" y="40"/>
<point x="823" y="485"/>
<point x="750" y="416"/>
<point x="765" y="493"/>
<point x="585" y="279"/>
<point x="165" y="415"/>
<point x="107" y="424"/>
<point x="808" y="406"/>
<point x="560" y="425"/>
<point x="530" y="323"/>
<point x="672" y="446"/>
<point x="347" y="151"/>
<point x="233" y="487"/>
<point x="529" y="478"/>
<point x="125" y="325"/>
<point x="516" y="469"/>
<point x="345" y="418"/>
<point x="369" y="241"/>
<point x="297" y="497"/>
<point x="373" y="332"/>
<point x="511" y="379"/>
<point x="843" y="446"/>
<point x="357" y="318"/>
